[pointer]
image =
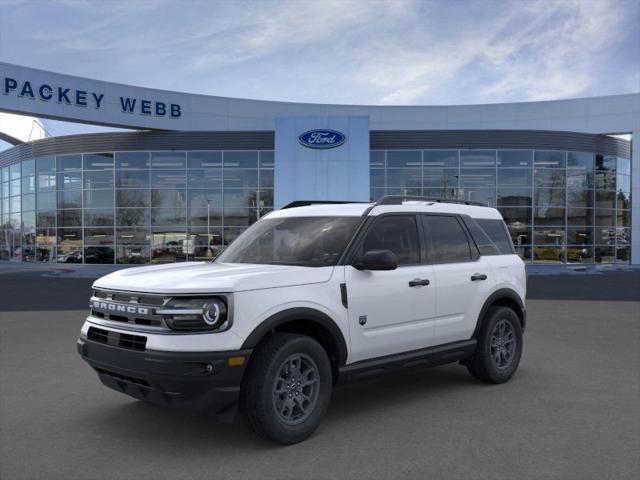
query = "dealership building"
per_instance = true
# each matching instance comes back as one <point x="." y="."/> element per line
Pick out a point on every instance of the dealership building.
<point x="194" y="171"/>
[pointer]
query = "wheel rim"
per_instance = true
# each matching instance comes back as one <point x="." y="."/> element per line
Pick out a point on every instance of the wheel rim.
<point x="295" y="389"/>
<point x="503" y="344"/>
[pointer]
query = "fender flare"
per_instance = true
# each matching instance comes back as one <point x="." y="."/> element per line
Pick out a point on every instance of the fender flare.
<point x="301" y="314"/>
<point x="500" y="294"/>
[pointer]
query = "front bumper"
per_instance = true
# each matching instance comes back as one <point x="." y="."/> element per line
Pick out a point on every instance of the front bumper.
<point x="194" y="380"/>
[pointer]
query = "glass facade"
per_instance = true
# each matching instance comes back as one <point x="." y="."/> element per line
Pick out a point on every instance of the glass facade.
<point x="560" y="207"/>
<point x="165" y="206"/>
<point x="131" y="207"/>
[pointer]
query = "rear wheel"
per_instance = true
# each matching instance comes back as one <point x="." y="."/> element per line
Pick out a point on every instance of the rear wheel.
<point x="287" y="388"/>
<point x="499" y="346"/>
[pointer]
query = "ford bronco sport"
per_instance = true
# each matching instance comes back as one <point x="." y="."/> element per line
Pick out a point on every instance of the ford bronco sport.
<point x="310" y="296"/>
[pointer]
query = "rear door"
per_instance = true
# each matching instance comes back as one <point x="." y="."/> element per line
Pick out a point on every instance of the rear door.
<point x="462" y="278"/>
<point x="391" y="311"/>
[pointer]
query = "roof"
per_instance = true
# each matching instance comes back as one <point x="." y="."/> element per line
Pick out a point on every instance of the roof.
<point x="358" y="209"/>
<point x="323" y="210"/>
<point x="473" y="211"/>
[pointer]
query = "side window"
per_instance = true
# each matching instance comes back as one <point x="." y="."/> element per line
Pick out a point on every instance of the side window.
<point x="447" y="240"/>
<point x="398" y="233"/>
<point x="483" y="242"/>
<point x="498" y="234"/>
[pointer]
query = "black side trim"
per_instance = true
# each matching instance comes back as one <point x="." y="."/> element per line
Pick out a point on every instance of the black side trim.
<point x="303" y="314"/>
<point x="502" y="294"/>
<point x="343" y="295"/>
<point x="425" y="357"/>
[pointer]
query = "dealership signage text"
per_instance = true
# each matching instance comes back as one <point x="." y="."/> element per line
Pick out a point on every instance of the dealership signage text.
<point x="82" y="98"/>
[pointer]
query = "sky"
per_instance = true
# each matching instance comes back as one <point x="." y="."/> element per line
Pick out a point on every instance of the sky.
<point x="395" y="52"/>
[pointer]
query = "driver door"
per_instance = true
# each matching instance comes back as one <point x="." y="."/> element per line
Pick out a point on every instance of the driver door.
<point x="389" y="311"/>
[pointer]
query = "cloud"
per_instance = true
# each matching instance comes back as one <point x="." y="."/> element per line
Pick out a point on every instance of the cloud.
<point x="404" y="95"/>
<point x="338" y="51"/>
<point x="554" y="54"/>
<point x="533" y="51"/>
<point x="272" y="29"/>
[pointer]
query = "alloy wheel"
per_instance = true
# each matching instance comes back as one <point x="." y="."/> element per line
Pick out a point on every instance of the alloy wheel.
<point x="503" y="344"/>
<point x="295" y="389"/>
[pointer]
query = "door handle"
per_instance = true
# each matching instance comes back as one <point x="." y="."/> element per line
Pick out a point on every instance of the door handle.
<point x="478" y="276"/>
<point x="418" y="282"/>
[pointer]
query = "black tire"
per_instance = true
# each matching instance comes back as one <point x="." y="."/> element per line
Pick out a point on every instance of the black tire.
<point x="272" y="362"/>
<point x="497" y="363"/>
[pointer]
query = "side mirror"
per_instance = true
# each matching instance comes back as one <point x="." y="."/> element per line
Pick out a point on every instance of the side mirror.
<point x="377" y="260"/>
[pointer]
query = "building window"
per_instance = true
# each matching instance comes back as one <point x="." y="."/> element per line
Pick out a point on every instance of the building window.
<point x="559" y="206"/>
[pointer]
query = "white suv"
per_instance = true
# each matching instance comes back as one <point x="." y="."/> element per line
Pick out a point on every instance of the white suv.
<point x="308" y="297"/>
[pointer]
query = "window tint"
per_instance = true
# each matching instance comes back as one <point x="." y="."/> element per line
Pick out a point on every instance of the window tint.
<point x="484" y="243"/>
<point x="396" y="233"/>
<point x="447" y="240"/>
<point x="498" y="234"/>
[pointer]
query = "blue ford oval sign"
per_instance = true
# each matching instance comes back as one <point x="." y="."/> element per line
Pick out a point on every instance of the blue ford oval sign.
<point x="322" y="138"/>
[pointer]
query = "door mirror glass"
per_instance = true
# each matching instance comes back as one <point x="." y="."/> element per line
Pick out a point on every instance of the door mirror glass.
<point x="377" y="260"/>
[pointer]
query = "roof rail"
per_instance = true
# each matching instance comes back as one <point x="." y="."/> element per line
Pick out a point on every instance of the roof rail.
<point x="306" y="203"/>
<point x="399" y="199"/>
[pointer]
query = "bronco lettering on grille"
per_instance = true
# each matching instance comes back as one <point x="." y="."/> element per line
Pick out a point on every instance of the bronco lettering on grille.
<point x="116" y="307"/>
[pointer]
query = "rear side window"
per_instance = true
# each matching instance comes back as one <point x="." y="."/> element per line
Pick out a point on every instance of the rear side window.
<point x="498" y="234"/>
<point x="397" y="233"/>
<point x="483" y="242"/>
<point x="447" y="240"/>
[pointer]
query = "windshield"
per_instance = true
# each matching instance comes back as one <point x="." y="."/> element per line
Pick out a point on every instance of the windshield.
<point x="304" y="241"/>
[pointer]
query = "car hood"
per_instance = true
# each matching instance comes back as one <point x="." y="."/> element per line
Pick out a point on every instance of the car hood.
<point x="207" y="277"/>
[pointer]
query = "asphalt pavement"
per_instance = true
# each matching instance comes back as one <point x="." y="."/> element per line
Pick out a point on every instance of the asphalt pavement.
<point x="571" y="412"/>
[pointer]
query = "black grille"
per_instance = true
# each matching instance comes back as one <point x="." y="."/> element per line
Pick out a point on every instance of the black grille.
<point x="98" y="335"/>
<point x="120" y="318"/>
<point x="128" y="307"/>
<point x="133" y="342"/>
<point x="122" y="340"/>
<point x="137" y="381"/>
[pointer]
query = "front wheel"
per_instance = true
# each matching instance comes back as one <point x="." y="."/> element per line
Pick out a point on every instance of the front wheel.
<point x="499" y="346"/>
<point x="287" y="388"/>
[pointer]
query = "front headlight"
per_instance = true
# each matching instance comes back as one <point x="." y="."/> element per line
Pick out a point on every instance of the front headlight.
<point x="196" y="314"/>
